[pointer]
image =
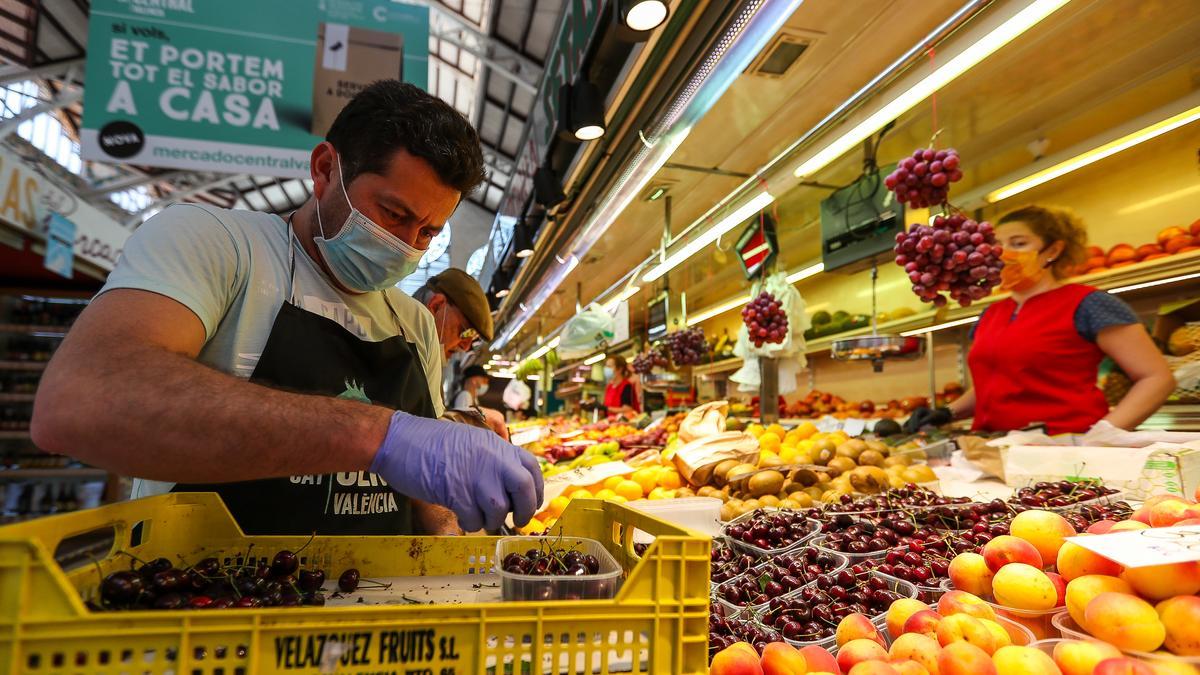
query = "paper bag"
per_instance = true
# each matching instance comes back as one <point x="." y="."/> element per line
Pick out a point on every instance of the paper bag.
<point x="986" y="457"/>
<point x="704" y="420"/>
<point x="696" y="460"/>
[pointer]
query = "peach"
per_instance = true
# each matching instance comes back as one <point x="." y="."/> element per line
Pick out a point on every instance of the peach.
<point x="744" y="646"/>
<point x="1141" y="515"/>
<point x="1046" y="530"/>
<point x="1125" y="621"/>
<point x="1007" y="549"/>
<point x="1164" y="667"/>
<point x="1155" y="500"/>
<point x="1079" y="657"/>
<point x="1000" y="636"/>
<point x="1122" y="666"/>
<point x="970" y="573"/>
<point x="1022" y="586"/>
<point x="1075" y="561"/>
<point x="962" y="602"/>
<point x="910" y="668"/>
<point x="1060" y="587"/>
<point x="1081" y="590"/>
<point x="899" y="612"/>
<point x="1013" y="660"/>
<point x="819" y="659"/>
<point x="1181" y="617"/>
<point x="916" y="647"/>
<point x="1128" y="526"/>
<point x="1159" y="582"/>
<point x="924" y="622"/>
<point x="1168" y="512"/>
<point x="964" y="628"/>
<point x="735" y="661"/>
<point x="1100" y="526"/>
<point x="873" y="668"/>
<point x="780" y="658"/>
<point x="857" y="627"/>
<point x="963" y="658"/>
<point x="857" y="651"/>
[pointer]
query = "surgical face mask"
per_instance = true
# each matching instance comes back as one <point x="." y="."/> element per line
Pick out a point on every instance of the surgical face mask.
<point x="482" y="389"/>
<point x="608" y="373"/>
<point x="363" y="256"/>
<point x="1022" y="269"/>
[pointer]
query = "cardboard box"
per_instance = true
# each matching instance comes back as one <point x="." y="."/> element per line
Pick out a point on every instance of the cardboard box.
<point x="1160" y="468"/>
<point x="348" y="59"/>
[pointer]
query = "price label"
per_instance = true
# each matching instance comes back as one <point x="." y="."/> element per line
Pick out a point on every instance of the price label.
<point x="1143" y="548"/>
<point x="828" y="424"/>
<point x="854" y="427"/>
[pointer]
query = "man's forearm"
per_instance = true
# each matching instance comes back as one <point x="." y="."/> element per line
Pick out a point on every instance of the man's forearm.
<point x="147" y="412"/>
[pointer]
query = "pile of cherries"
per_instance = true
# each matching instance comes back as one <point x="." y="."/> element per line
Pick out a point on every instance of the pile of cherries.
<point x="896" y="499"/>
<point x="813" y="613"/>
<point x="805" y="565"/>
<point x="771" y="530"/>
<point x="965" y="516"/>
<point x="243" y="582"/>
<point x="846" y="534"/>
<point x="724" y="629"/>
<point x="1061" y="493"/>
<point x="727" y="562"/>
<point x="550" y="561"/>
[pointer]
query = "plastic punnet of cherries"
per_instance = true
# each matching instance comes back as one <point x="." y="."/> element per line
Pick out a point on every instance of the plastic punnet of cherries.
<point x="955" y="255"/>
<point x="924" y="179"/>
<point x="765" y="320"/>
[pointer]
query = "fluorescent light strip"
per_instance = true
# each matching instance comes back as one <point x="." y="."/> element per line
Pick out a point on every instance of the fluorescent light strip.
<point x="709" y="313"/>
<point x="544" y="349"/>
<point x="533" y="378"/>
<point x="594" y="359"/>
<point x="1020" y="22"/>
<point x="625" y="295"/>
<point x="940" y="326"/>
<point x="810" y="271"/>
<point x="1095" y="155"/>
<point x="709" y="236"/>
<point x="1152" y="284"/>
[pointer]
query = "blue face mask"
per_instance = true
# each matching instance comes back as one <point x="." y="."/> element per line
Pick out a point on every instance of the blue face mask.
<point x="608" y="373"/>
<point x="482" y="389"/>
<point x="362" y="255"/>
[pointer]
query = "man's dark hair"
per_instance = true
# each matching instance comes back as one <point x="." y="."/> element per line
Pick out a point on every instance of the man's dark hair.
<point x="391" y="115"/>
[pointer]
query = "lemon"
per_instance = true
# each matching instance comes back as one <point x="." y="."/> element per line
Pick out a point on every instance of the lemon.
<point x="629" y="489"/>
<point x="767" y="458"/>
<point x="769" y="441"/>
<point x="605" y="494"/>
<point x="789" y="454"/>
<point x="555" y="508"/>
<point x="618" y="499"/>
<point x="661" y="493"/>
<point x="754" y="429"/>
<point x="611" y="483"/>
<point x="777" y="430"/>
<point x="534" y="526"/>
<point x="805" y="431"/>
<point x="647" y="477"/>
<point x="669" y="479"/>
<point x="579" y="493"/>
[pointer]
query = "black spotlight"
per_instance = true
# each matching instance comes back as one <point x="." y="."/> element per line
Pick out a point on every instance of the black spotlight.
<point x="546" y="189"/>
<point x="636" y="19"/>
<point x="501" y="280"/>
<point x="581" y="111"/>
<point x="523" y="239"/>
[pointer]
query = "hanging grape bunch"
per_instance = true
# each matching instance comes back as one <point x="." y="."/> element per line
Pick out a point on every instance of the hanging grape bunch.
<point x="687" y="346"/>
<point x="955" y="254"/>
<point x="765" y="320"/>
<point x="649" y="360"/>
<point x="924" y="179"/>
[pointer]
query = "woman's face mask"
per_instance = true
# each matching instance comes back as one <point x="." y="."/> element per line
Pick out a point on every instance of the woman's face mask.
<point x="608" y="372"/>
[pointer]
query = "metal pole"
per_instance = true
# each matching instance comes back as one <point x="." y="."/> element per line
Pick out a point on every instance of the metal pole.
<point x="768" y="390"/>
<point x="932" y="368"/>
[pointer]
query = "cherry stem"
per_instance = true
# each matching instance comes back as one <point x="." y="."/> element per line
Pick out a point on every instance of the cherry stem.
<point x="124" y="552"/>
<point x="310" y="540"/>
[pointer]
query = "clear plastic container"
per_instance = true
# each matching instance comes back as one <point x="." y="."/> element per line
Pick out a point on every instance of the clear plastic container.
<point x="901" y="587"/>
<point x="754" y="608"/>
<point x="819" y="541"/>
<point x="784" y="558"/>
<point x="1069" y="629"/>
<point x="1038" y="621"/>
<point x="602" y="585"/>
<point x="767" y="552"/>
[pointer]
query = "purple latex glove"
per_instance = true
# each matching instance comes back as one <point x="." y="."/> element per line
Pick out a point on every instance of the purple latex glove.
<point x="470" y="471"/>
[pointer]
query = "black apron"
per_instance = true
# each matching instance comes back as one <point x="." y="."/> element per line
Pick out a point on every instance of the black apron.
<point x="311" y="354"/>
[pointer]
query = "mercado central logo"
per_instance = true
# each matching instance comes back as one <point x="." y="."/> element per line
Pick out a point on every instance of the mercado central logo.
<point x="158" y="8"/>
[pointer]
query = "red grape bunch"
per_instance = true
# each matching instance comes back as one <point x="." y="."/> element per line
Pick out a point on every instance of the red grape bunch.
<point x="955" y="254"/>
<point x="687" y="346"/>
<point x="924" y="179"/>
<point x="765" y="319"/>
<point x="650" y="359"/>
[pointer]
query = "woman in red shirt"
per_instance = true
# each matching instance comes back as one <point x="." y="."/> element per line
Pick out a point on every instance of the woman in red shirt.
<point x="1036" y="354"/>
<point x="621" y="394"/>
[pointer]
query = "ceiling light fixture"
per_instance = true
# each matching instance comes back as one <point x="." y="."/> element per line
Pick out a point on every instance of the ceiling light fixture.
<point x="810" y="271"/>
<point x="940" y="326"/>
<point x="1095" y="154"/>
<point x="1156" y="282"/>
<point x="689" y="249"/>
<point x="742" y="300"/>
<point x="544" y="349"/>
<point x="626" y="294"/>
<point x="643" y="15"/>
<point x="547" y="190"/>
<point x="581" y="111"/>
<point x="522" y="239"/>
<point x="594" y="359"/>
<point x="1006" y="32"/>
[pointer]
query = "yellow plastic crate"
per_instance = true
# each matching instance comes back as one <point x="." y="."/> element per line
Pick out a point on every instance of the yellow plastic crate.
<point x="658" y="622"/>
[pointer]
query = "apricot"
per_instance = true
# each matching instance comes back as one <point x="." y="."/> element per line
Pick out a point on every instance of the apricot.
<point x="1014" y="660"/>
<point x="1124" y="621"/>
<point x="1022" y="586"/>
<point x="1007" y="549"/>
<point x="780" y="658"/>
<point x="898" y="614"/>
<point x="916" y="647"/>
<point x="1081" y="590"/>
<point x="734" y="660"/>
<point x="1076" y="561"/>
<point x="1079" y="657"/>
<point x="964" y="628"/>
<point x="970" y="573"/>
<point x="1046" y="530"/>
<point x="1181" y="617"/>
<point x="1159" y="582"/>
<point x="963" y="658"/>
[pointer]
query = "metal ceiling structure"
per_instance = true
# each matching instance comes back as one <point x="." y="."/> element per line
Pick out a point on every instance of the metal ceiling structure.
<point x="486" y="57"/>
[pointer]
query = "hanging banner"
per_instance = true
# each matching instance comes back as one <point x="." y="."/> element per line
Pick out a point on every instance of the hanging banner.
<point x="235" y="86"/>
<point x="28" y="199"/>
<point x="60" y="246"/>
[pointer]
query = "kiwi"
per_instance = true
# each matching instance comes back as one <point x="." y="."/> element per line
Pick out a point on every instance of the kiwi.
<point x="769" y="500"/>
<point x="897" y="460"/>
<point x="720" y="472"/>
<point x="765" y="483"/>
<point x="869" y="479"/>
<point x="841" y="465"/>
<point x="878" y="446"/>
<point x="870" y="458"/>
<point x="852" y="448"/>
